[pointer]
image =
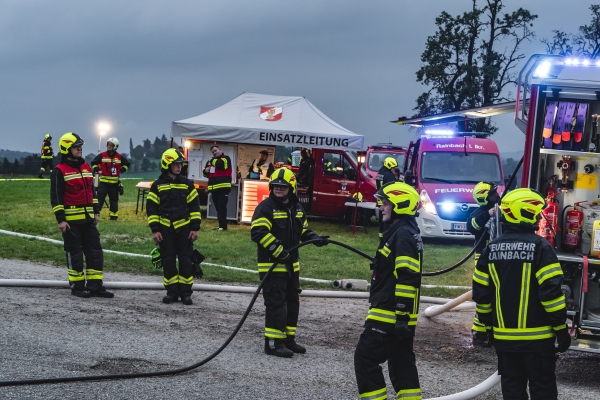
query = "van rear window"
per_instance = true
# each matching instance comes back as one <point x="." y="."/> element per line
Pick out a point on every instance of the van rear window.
<point x="456" y="167"/>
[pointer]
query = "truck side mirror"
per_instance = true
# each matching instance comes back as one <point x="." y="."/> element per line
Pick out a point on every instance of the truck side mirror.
<point x="410" y="179"/>
<point x="351" y="174"/>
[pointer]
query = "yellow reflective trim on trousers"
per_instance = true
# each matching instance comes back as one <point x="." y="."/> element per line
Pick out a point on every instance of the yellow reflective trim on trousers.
<point x="378" y="314"/>
<point x="153" y="197"/>
<point x="406" y="291"/>
<point x="274" y="333"/>
<point x="524" y="297"/>
<point x="555" y="304"/>
<point x="219" y="186"/>
<point x="113" y="214"/>
<point x="385" y="251"/>
<point x="481" y="277"/>
<point x="75" y="276"/>
<point x="549" y="271"/>
<point x="483" y="308"/>
<point x="542" y="332"/>
<point x="475" y="224"/>
<point x="109" y="179"/>
<point x="496" y="281"/>
<point x="409" y="394"/>
<point x="186" y="281"/>
<point x="171" y="281"/>
<point x="379" y="394"/>
<point x="264" y="267"/>
<point x="92" y="274"/>
<point x="262" y="221"/>
<point x="290" y="330"/>
<point x="267" y="240"/>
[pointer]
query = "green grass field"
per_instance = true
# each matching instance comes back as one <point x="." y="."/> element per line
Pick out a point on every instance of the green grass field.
<point x="26" y="209"/>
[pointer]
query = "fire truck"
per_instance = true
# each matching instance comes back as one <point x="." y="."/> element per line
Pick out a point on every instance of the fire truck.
<point x="557" y="108"/>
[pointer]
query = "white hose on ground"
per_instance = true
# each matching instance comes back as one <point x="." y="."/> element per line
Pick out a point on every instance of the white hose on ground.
<point x="475" y="391"/>
<point x="452" y="304"/>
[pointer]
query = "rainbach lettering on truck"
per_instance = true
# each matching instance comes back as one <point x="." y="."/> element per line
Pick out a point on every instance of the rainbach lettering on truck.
<point x="302" y="139"/>
<point x="512" y="251"/>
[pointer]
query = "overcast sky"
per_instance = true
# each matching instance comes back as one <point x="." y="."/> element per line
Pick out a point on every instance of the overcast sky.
<point x="65" y="65"/>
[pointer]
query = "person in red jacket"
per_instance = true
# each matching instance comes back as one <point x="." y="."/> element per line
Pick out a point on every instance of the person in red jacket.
<point x="110" y="164"/>
<point x="218" y="170"/>
<point x="47" y="156"/>
<point x="76" y="211"/>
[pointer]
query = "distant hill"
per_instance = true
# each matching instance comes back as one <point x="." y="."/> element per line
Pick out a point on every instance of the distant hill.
<point x="11" y="155"/>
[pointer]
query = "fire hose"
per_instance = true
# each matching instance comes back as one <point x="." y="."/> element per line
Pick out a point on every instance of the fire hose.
<point x="183" y="369"/>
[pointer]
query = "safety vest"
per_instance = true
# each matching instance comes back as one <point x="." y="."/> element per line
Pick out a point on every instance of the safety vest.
<point x="110" y="167"/>
<point x="78" y="197"/>
<point x="47" y="150"/>
<point x="219" y="176"/>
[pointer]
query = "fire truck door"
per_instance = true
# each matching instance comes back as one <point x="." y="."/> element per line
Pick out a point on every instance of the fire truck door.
<point x="334" y="183"/>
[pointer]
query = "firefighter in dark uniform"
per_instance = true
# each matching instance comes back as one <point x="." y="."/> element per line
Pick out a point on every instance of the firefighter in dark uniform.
<point x="279" y="223"/>
<point x="47" y="156"/>
<point x="173" y="212"/>
<point x="386" y="174"/>
<point x="395" y="285"/>
<point x="486" y="196"/>
<point x="111" y="165"/>
<point x="517" y="289"/>
<point x="76" y="211"/>
<point x="218" y="171"/>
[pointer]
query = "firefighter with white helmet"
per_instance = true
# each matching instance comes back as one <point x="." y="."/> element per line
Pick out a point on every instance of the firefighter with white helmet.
<point x="110" y="164"/>
<point x="76" y="211"/>
<point x="173" y="212"/>
<point x="486" y="196"/>
<point x="517" y="289"/>
<point x="394" y="297"/>
<point x="278" y="224"/>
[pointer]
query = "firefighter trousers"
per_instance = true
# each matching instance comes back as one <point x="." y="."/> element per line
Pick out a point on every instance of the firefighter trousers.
<point x="376" y="347"/>
<point x="220" y="197"/>
<point x="46" y="163"/>
<point x="517" y="369"/>
<point x="282" y="303"/>
<point x="112" y="190"/>
<point x="80" y="240"/>
<point x="176" y="246"/>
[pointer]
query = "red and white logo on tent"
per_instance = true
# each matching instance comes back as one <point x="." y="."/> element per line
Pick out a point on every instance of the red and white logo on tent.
<point x="271" y="113"/>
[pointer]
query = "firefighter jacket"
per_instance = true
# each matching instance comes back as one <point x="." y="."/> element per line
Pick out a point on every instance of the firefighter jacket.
<point x="260" y="170"/>
<point x="396" y="279"/>
<point x="173" y="203"/>
<point x="47" y="152"/>
<point x="219" y="176"/>
<point x="384" y="175"/>
<point x="72" y="192"/>
<point x="517" y="288"/>
<point x="277" y="227"/>
<point x="476" y="225"/>
<point x="110" y="166"/>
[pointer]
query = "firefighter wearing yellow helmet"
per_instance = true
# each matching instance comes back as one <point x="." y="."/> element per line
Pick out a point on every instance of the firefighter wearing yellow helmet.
<point x="386" y="174"/>
<point x="110" y="164"/>
<point x="173" y="210"/>
<point x="394" y="297"/>
<point x="520" y="271"/>
<point x="278" y="224"/>
<point x="47" y="155"/>
<point x="76" y="211"/>
<point x="486" y="196"/>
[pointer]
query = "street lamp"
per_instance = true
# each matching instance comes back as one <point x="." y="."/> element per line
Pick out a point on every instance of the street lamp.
<point x="103" y="128"/>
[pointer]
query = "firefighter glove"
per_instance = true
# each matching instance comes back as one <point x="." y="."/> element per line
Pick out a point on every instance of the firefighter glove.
<point x="197" y="259"/>
<point x="321" y="240"/>
<point x="156" y="258"/>
<point x="123" y="169"/>
<point x="284" y="256"/>
<point x="121" y="190"/>
<point x="564" y="340"/>
<point x="401" y="330"/>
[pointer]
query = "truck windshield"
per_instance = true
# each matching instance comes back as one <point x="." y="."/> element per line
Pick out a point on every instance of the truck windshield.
<point x="376" y="158"/>
<point x="455" y="167"/>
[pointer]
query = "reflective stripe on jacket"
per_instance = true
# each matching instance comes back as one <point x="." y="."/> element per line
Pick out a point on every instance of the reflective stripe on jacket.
<point x="47" y="152"/>
<point x="517" y="288"/>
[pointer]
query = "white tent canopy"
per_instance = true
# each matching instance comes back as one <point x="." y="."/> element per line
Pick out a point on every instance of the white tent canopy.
<point x="268" y="120"/>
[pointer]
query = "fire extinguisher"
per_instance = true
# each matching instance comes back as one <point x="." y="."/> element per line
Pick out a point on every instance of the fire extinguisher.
<point x="549" y="221"/>
<point x="573" y="228"/>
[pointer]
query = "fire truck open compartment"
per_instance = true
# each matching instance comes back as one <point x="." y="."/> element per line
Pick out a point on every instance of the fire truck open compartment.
<point x="557" y="109"/>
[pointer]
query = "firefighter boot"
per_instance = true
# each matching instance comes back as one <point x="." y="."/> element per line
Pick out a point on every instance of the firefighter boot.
<point x="187" y="300"/>
<point x="102" y="292"/>
<point x="170" y="298"/>
<point x="80" y="291"/>
<point x="276" y="347"/>
<point x="291" y="344"/>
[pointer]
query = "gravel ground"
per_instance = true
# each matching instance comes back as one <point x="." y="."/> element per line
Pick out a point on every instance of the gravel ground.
<point x="46" y="333"/>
